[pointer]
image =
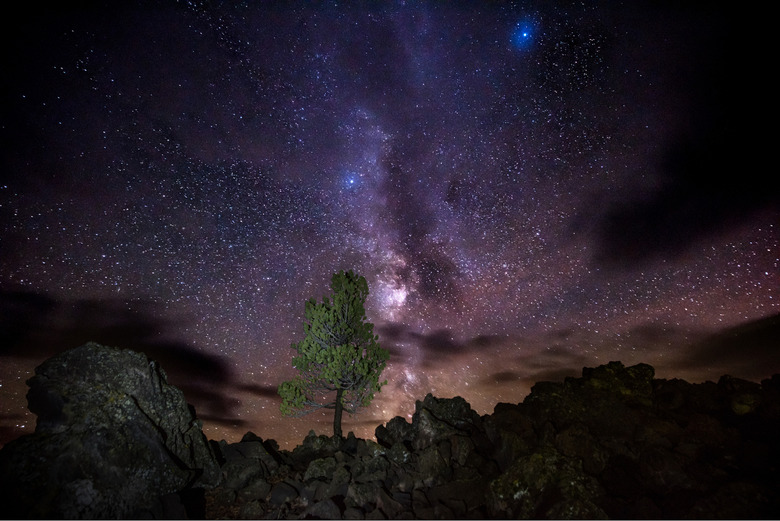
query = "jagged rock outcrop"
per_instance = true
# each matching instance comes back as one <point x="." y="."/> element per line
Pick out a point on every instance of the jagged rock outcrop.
<point x="615" y="443"/>
<point x="113" y="440"/>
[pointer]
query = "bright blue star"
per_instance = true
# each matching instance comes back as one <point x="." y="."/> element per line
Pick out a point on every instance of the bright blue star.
<point x="351" y="180"/>
<point x="522" y="35"/>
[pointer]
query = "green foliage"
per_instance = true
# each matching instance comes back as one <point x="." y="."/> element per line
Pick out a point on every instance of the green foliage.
<point x="339" y="353"/>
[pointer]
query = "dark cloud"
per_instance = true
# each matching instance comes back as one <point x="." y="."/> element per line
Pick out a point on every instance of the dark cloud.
<point x="391" y="331"/>
<point x="685" y="211"/>
<point x="392" y="336"/>
<point x="750" y="350"/>
<point x="549" y="361"/>
<point x="711" y="172"/>
<point x="440" y="342"/>
<point x="651" y="333"/>
<point x="35" y="326"/>
<point x="553" y="374"/>
<point x="651" y="340"/>
<point x="503" y="377"/>
<point x="209" y="398"/>
<point x="226" y="421"/>
<point x="396" y="352"/>
<point x="523" y="379"/>
<point x="487" y="341"/>
<point x="263" y="391"/>
<point x="434" y="347"/>
<point x="444" y="341"/>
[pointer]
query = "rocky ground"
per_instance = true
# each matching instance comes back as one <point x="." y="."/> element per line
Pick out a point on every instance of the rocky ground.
<point x="115" y="440"/>
<point x="615" y="443"/>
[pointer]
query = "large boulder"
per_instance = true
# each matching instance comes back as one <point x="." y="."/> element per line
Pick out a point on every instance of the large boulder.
<point x="437" y="419"/>
<point x="112" y="438"/>
<point x="434" y="420"/>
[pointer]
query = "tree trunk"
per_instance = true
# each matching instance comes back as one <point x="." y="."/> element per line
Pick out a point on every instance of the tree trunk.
<point x="337" y="414"/>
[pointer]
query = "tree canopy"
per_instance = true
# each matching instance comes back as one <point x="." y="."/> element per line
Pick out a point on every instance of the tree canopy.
<point x="338" y="354"/>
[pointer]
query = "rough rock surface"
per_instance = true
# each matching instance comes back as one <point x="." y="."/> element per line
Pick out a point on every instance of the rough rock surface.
<point x="615" y="443"/>
<point x="113" y="440"/>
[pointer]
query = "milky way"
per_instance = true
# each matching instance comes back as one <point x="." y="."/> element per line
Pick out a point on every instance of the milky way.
<point x="529" y="188"/>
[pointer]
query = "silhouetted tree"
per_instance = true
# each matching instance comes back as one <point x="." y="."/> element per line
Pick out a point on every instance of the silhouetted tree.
<point x="339" y="354"/>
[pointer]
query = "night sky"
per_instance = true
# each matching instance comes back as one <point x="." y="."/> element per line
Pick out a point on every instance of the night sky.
<point x="528" y="187"/>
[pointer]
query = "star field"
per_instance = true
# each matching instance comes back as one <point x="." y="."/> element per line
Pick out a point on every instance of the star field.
<point x="528" y="188"/>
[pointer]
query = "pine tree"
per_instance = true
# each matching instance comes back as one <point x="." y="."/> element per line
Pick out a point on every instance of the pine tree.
<point x="339" y="354"/>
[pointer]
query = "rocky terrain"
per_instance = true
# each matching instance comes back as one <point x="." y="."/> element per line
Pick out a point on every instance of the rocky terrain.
<point x="614" y="443"/>
<point x="112" y="439"/>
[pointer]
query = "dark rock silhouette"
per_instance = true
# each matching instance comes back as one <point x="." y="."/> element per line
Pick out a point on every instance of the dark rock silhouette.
<point x="615" y="443"/>
<point x="113" y="440"/>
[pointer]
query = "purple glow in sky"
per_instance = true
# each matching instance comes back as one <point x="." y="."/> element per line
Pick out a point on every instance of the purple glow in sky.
<point x="529" y="188"/>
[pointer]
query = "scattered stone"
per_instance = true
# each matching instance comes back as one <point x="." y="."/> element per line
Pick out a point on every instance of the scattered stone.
<point x="325" y="509"/>
<point x="282" y="492"/>
<point x="257" y="490"/>
<point x="321" y="468"/>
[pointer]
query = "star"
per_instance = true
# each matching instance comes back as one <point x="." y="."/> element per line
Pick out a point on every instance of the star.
<point x="522" y="35"/>
<point x="526" y="190"/>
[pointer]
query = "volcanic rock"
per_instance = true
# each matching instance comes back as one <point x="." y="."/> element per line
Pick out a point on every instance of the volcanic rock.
<point x="115" y="440"/>
<point x="112" y="438"/>
<point x="614" y="443"/>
